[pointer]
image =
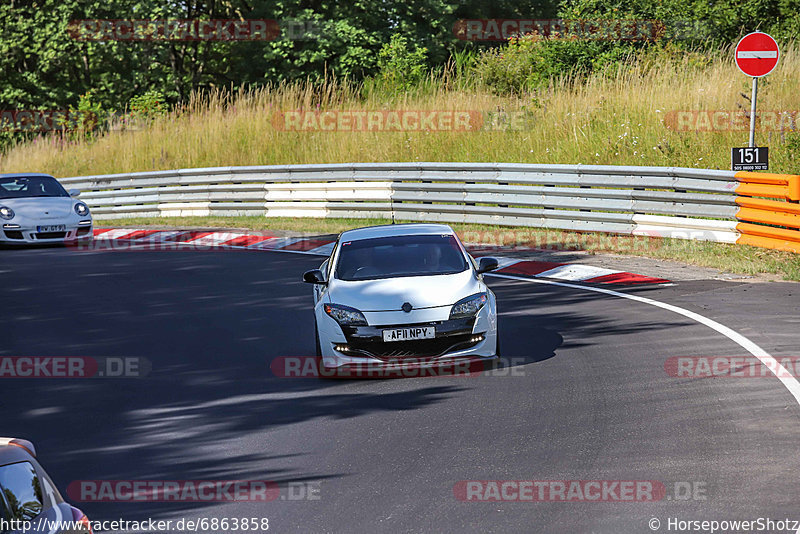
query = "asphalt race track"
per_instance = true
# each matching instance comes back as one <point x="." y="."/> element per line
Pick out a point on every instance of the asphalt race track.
<point x="584" y="396"/>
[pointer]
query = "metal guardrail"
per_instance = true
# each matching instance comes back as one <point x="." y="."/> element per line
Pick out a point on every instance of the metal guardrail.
<point x="655" y="201"/>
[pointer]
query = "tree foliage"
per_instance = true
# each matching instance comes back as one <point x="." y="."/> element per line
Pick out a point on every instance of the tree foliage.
<point x="42" y="66"/>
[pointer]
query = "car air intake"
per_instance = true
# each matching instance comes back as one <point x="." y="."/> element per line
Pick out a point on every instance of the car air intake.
<point x="423" y="348"/>
<point x="13" y="234"/>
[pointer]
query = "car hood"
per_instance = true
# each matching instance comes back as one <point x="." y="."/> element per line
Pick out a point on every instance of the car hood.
<point x="38" y="208"/>
<point x="389" y="294"/>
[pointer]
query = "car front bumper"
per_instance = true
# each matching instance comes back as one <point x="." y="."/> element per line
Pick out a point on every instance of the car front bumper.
<point x="473" y="338"/>
<point x="21" y="234"/>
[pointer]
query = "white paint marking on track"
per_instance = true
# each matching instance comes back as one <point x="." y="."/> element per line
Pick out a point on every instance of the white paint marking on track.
<point x="772" y="364"/>
<point x="265" y="244"/>
<point x="115" y="233"/>
<point x="275" y="243"/>
<point x="214" y="238"/>
<point x="576" y="271"/>
<point x="503" y="262"/>
<point x="159" y="237"/>
<point x="323" y="250"/>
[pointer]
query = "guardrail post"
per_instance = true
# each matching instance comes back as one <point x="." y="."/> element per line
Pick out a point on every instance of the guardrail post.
<point x="502" y="205"/>
<point x="427" y="182"/>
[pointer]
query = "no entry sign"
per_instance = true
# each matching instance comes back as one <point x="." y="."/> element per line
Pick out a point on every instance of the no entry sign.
<point x="757" y="54"/>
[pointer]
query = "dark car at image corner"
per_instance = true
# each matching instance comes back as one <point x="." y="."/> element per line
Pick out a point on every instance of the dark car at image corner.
<point x="29" y="500"/>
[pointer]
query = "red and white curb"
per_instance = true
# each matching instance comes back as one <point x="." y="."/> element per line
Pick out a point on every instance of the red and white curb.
<point x="117" y="239"/>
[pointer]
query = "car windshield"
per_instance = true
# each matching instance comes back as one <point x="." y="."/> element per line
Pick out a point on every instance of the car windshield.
<point x="22" y="490"/>
<point x="31" y="186"/>
<point x="408" y="255"/>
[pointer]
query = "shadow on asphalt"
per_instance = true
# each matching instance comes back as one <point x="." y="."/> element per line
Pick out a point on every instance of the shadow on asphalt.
<point x="210" y="323"/>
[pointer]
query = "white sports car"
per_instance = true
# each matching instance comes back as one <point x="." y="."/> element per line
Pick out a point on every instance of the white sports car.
<point x="35" y="208"/>
<point x="402" y="293"/>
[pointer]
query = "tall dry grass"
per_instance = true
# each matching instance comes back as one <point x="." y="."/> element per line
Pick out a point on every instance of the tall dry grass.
<point x="614" y="117"/>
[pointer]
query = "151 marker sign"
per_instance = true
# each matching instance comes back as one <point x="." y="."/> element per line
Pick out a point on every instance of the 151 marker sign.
<point x="750" y="159"/>
<point x="756" y="55"/>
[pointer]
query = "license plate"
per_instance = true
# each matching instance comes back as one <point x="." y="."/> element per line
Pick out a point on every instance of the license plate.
<point x="52" y="228"/>
<point x="409" y="334"/>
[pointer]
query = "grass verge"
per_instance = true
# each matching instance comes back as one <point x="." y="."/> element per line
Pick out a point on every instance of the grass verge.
<point x="739" y="259"/>
<point x="645" y="112"/>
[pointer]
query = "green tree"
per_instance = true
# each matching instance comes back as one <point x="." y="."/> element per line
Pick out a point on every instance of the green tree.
<point x="401" y="66"/>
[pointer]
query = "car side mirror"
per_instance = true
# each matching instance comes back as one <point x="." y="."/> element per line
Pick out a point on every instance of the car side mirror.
<point x="314" y="276"/>
<point x="74" y="192"/>
<point x="487" y="264"/>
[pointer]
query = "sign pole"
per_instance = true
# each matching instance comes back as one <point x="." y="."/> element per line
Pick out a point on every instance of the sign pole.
<point x="753" y="112"/>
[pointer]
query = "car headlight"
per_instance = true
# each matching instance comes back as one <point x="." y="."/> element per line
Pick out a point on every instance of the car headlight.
<point x="6" y="213"/>
<point x="345" y="315"/>
<point x="81" y="209"/>
<point x="468" y="307"/>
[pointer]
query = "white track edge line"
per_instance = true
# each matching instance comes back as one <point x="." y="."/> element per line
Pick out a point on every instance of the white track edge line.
<point x="780" y="372"/>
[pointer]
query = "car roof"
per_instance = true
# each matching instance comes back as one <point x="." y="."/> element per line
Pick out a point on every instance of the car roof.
<point x="391" y="230"/>
<point x="11" y="454"/>
<point x="26" y="175"/>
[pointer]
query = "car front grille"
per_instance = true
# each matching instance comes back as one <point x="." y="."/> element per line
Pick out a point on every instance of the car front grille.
<point x="50" y="235"/>
<point x="13" y="234"/>
<point x="451" y="335"/>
